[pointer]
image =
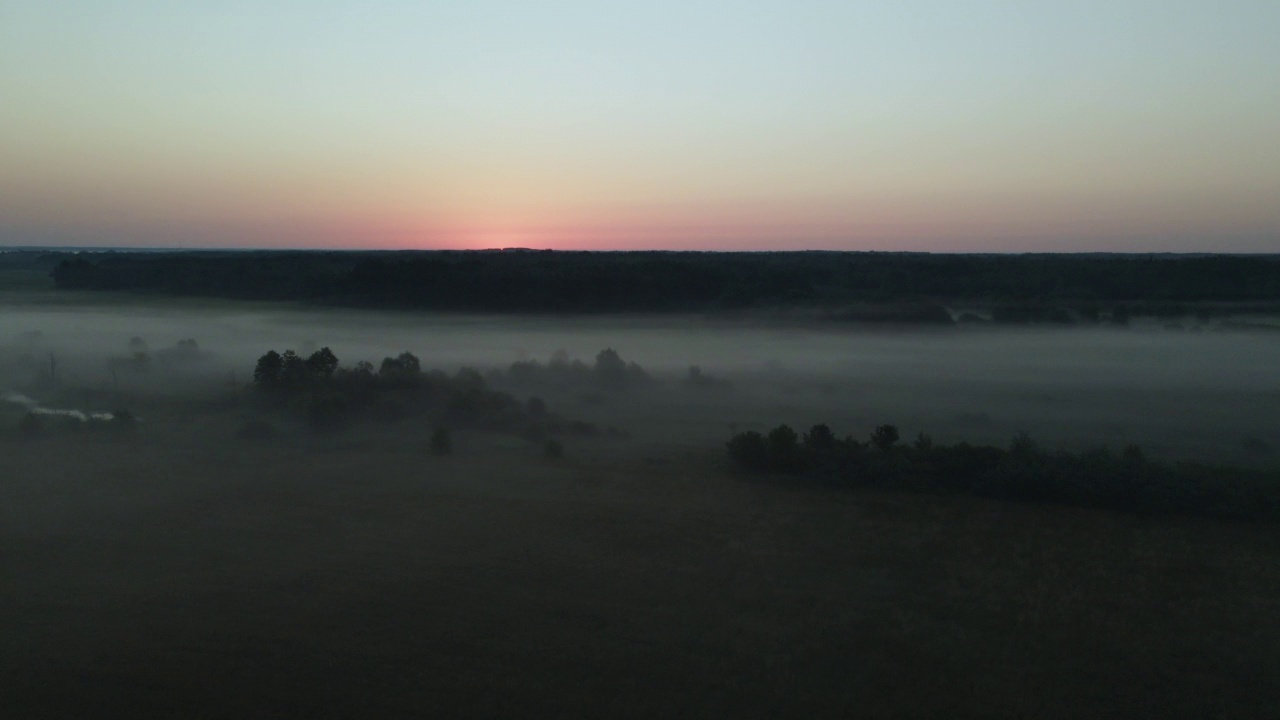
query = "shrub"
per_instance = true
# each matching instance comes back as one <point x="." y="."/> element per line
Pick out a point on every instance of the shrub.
<point x="749" y="450"/>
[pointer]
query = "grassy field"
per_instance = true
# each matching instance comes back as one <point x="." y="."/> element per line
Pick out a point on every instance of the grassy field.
<point x="183" y="573"/>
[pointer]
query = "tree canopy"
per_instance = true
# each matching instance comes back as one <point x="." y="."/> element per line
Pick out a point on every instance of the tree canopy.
<point x="873" y="287"/>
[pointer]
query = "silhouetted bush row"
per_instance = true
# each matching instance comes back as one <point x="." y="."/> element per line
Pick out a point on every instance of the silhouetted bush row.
<point x="1098" y="477"/>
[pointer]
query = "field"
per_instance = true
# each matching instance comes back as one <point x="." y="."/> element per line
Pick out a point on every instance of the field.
<point x="186" y="570"/>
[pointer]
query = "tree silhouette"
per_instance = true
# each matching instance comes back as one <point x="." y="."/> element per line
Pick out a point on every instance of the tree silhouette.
<point x="819" y="438"/>
<point x="322" y="363"/>
<point x="269" y="370"/>
<point x="749" y="450"/>
<point x="293" y="369"/>
<point x="884" y="437"/>
<point x="405" y="364"/>
<point x="610" y="368"/>
<point x="784" y="448"/>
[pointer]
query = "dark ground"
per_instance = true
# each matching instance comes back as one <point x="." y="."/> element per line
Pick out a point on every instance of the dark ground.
<point x="169" y="575"/>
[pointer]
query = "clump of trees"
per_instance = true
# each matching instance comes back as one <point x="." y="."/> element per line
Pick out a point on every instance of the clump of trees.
<point x="184" y="351"/>
<point x="330" y="396"/>
<point x="139" y="359"/>
<point x="609" y="372"/>
<point x="1127" y="480"/>
<point x="289" y="371"/>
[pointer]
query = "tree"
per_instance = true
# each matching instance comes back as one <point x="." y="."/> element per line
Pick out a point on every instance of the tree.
<point x="636" y="375"/>
<point x="409" y="363"/>
<point x="784" y="448"/>
<point x="322" y="363"/>
<point x="269" y="370"/>
<point x="749" y="450"/>
<point x="293" y="369"/>
<point x="884" y="437"/>
<point x="405" y="364"/>
<point x="468" y="380"/>
<point x="610" y="368"/>
<point x="820" y="438"/>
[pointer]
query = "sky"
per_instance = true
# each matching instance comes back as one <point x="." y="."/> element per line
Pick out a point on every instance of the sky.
<point x="926" y="125"/>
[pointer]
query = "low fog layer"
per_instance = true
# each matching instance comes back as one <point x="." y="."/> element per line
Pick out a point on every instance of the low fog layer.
<point x="1179" y="393"/>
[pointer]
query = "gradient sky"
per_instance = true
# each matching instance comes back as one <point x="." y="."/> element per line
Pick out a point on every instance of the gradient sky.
<point x="1127" y="125"/>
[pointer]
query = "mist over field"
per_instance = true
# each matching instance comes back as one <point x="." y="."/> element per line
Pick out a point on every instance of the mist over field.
<point x="601" y="514"/>
<point x="1198" y="392"/>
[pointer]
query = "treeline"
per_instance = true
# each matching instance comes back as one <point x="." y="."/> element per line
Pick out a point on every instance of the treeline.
<point x="1127" y="480"/>
<point x="872" y="287"/>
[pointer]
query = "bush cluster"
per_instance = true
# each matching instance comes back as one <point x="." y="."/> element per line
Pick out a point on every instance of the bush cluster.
<point x="1100" y="477"/>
